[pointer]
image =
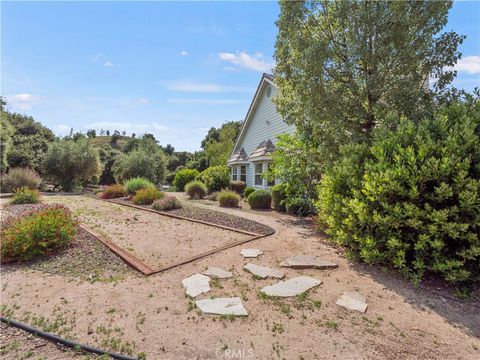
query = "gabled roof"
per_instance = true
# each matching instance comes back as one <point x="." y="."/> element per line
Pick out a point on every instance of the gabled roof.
<point x="239" y="155"/>
<point x="266" y="78"/>
<point x="266" y="148"/>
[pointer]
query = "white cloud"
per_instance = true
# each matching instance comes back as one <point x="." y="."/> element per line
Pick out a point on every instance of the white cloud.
<point x="128" y="127"/>
<point x="108" y="64"/>
<point x="23" y="101"/>
<point x="189" y="86"/>
<point x="468" y="64"/>
<point x="257" y="62"/>
<point x="98" y="56"/>
<point x="62" y="129"/>
<point x="205" y="101"/>
<point x="184" y="53"/>
<point x="143" y="101"/>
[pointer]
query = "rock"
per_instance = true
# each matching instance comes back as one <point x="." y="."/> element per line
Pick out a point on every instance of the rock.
<point x="251" y="253"/>
<point x="291" y="287"/>
<point x="216" y="272"/>
<point x="264" y="271"/>
<point x="308" y="262"/>
<point x="222" y="306"/>
<point x="353" y="301"/>
<point x="196" y="284"/>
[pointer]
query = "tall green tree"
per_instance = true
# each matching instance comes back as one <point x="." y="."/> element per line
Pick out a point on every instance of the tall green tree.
<point x="6" y="132"/>
<point x="342" y="65"/>
<point x="219" y="143"/>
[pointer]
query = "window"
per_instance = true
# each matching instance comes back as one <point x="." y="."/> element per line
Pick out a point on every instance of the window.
<point x="243" y="173"/>
<point x="271" y="179"/>
<point x="258" y="174"/>
<point x="234" y="172"/>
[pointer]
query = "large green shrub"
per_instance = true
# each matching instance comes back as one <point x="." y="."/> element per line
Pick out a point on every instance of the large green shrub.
<point x="25" y="195"/>
<point x="183" y="177"/>
<point x="411" y="199"/>
<point x="196" y="189"/>
<point x="216" y="178"/>
<point x="20" y="177"/>
<point x="135" y="184"/>
<point x="71" y="164"/>
<point x="279" y="196"/>
<point x="228" y="198"/>
<point x="48" y="228"/>
<point x="260" y="199"/>
<point x="141" y="162"/>
<point x="248" y="191"/>
<point x="108" y="156"/>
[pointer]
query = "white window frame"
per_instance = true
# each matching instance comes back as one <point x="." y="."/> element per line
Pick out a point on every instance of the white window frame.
<point x="242" y="175"/>
<point x="258" y="174"/>
<point x="234" y="173"/>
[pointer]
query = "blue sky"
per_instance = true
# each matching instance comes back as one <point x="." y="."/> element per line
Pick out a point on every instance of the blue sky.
<point x="173" y="69"/>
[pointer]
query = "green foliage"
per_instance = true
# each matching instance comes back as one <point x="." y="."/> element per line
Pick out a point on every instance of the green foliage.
<point x="342" y="65"/>
<point x="146" y="161"/>
<point x="114" y="191"/>
<point x="238" y="186"/>
<point x="183" y="177"/>
<point x="108" y="156"/>
<point x="279" y="197"/>
<point x="248" y="191"/>
<point x="169" y="202"/>
<point x="135" y="184"/>
<point x="228" y="198"/>
<point x="70" y="164"/>
<point x="24" y="195"/>
<point x="20" y="177"/>
<point x="91" y="134"/>
<point x="6" y="133"/>
<point x="196" y="189"/>
<point x="147" y="196"/>
<point x="49" y="228"/>
<point x="411" y="199"/>
<point x="218" y="144"/>
<point x="216" y="178"/>
<point x="260" y="199"/>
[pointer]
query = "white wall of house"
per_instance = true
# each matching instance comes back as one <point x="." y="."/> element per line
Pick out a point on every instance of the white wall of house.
<point x="264" y="123"/>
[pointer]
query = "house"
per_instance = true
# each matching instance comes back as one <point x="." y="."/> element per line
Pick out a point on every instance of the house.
<point x="252" y="153"/>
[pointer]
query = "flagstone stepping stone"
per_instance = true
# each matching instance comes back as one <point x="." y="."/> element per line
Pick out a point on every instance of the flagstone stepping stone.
<point x="217" y="272"/>
<point x="251" y="253"/>
<point x="222" y="306"/>
<point x="291" y="287"/>
<point x="353" y="301"/>
<point x="196" y="284"/>
<point x="308" y="262"/>
<point x="264" y="271"/>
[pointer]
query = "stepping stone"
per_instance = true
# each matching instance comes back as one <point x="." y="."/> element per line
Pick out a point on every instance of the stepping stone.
<point x="196" y="284"/>
<point x="291" y="287"/>
<point x="217" y="272"/>
<point x="308" y="262"/>
<point x="222" y="306"/>
<point x="264" y="271"/>
<point x="251" y="253"/>
<point x="353" y="301"/>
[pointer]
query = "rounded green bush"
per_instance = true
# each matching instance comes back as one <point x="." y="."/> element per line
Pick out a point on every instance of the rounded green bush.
<point x="183" y="177"/>
<point x="36" y="233"/>
<point x="196" y="190"/>
<point x="216" y="178"/>
<point x="135" y="184"/>
<point x="147" y="196"/>
<point x="25" y="195"/>
<point x="279" y="197"/>
<point x="238" y="186"/>
<point x="410" y="199"/>
<point x="228" y="198"/>
<point x="260" y="199"/>
<point x="20" y="177"/>
<point x="169" y="202"/>
<point x="248" y="191"/>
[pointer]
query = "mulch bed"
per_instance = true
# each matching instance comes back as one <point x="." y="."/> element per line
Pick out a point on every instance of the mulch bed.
<point x="85" y="257"/>
<point x="215" y="217"/>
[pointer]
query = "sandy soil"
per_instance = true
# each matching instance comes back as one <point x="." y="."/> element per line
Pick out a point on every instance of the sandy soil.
<point x="152" y="314"/>
<point x="155" y="239"/>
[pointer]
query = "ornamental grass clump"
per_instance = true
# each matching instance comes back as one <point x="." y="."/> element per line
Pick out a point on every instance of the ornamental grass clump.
<point x="147" y="196"/>
<point x="114" y="191"/>
<point x="196" y="190"/>
<point x="228" y="198"/>
<point x="20" y="177"/>
<point x="134" y="184"/>
<point x="25" y="195"/>
<point x="169" y="202"/>
<point x="39" y="232"/>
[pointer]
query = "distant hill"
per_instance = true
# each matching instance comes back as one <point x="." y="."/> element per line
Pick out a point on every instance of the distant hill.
<point x="105" y="141"/>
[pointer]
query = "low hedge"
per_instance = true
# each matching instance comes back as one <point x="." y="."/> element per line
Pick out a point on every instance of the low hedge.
<point x="37" y="233"/>
<point x="279" y="197"/>
<point x="260" y="199"/>
<point x="196" y="189"/>
<point x="183" y="177"/>
<point x="147" y="196"/>
<point x="228" y="198"/>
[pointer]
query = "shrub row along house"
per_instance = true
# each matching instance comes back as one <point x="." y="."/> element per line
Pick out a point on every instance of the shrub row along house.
<point x="252" y="153"/>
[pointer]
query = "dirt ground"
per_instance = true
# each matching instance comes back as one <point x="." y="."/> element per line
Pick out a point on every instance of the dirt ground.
<point x="151" y="315"/>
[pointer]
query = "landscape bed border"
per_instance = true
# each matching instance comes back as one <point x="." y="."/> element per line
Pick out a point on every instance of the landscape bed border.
<point x="139" y="265"/>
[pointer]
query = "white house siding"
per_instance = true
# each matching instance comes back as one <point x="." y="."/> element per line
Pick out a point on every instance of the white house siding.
<point x="265" y="123"/>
